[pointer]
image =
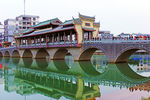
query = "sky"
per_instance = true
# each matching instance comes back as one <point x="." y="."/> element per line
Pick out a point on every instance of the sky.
<point x="117" y="16"/>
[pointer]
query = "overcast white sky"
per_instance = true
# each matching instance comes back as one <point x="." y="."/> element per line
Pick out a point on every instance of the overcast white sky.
<point x="129" y="16"/>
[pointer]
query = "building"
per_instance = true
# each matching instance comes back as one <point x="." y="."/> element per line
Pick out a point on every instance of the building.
<point x="17" y="25"/>
<point x="24" y="22"/>
<point x="10" y="29"/>
<point x="54" y="31"/>
<point x="1" y="32"/>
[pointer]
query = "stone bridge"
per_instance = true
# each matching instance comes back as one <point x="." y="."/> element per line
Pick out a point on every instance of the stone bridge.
<point x="116" y="52"/>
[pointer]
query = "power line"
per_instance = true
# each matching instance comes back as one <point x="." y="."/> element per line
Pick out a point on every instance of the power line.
<point x="24" y="6"/>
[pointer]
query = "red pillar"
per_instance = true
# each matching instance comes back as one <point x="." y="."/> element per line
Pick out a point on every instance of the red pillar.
<point x="46" y="41"/>
<point x="34" y="41"/>
<point x="64" y="37"/>
<point x="71" y="36"/>
<point x="91" y="35"/>
<point x="58" y="38"/>
<point x="52" y="38"/>
<point x="40" y="40"/>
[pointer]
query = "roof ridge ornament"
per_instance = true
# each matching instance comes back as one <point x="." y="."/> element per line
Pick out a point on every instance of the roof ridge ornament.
<point x="86" y="17"/>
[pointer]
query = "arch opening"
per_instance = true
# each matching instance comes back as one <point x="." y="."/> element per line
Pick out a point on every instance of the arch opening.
<point x="139" y="62"/>
<point x="124" y="57"/>
<point x="27" y="54"/>
<point x="60" y="54"/>
<point x="7" y="54"/>
<point x="69" y="60"/>
<point x="97" y="58"/>
<point x="15" y="54"/>
<point x="64" y="56"/>
<point x="42" y="54"/>
<point x="1" y="55"/>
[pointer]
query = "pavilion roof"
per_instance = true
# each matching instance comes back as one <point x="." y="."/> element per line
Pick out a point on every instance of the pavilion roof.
<point x="86" y="17"/>
<point x="46" y="22"/>
<point x="68" y="22"/>
<point x="60" y="28"/>
<point x="28" y="31"/>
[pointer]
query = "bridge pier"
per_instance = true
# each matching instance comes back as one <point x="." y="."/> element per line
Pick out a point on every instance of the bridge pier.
<point x="34" y="53"/>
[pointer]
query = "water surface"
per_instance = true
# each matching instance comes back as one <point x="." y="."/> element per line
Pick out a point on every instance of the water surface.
<point x="39" y="79"/>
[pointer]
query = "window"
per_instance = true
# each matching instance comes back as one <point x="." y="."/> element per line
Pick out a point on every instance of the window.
<point x="34" y="18"/>
<point x="87" y="24"/>
<point x="24" y="23"/>
<point x="28" y="22"/>
<point x="33" y="23"/>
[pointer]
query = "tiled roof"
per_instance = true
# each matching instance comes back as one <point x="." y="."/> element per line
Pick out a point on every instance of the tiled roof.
<point x="60" y="28"/>
<point x="45" y="22"/>
<point x="71" y="21"/>
<point x="88" y="29"/>
<point x="67" y="22"/>
<point x="83" y="16"/>
<point x="28" y="30"/>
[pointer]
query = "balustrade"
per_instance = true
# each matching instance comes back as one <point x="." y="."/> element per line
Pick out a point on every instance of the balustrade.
<point x="48" y="44"/>
<point x="94" y="40"/>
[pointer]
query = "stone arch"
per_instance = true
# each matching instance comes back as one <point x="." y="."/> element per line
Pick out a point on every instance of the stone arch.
<point x="124" y="55"/>
<point x="86" y="55"/>
<point x="15" y="54"/>
<point x="60" y="54"/>
<point x="7" y="54"/>
<point x="1" y="54"/>
<point x="27" y="54"/>
<point x="42" y="54"/>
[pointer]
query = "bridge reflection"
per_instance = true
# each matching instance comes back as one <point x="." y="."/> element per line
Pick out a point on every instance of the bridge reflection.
<point x="81" y="80"/>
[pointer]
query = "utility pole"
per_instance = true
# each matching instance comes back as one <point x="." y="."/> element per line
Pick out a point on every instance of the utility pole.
<point x="24" y="7"/>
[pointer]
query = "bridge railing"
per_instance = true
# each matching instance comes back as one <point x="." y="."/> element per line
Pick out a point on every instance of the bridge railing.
<point x="67" y="43"/>
<point x="10" y="47"/>
<point x="115" y="41"/>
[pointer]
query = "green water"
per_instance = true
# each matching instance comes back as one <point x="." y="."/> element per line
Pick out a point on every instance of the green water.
<point x="39" y="79"/>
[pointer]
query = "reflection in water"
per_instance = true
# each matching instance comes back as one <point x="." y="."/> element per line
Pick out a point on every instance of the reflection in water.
<point x="42" y="63"/>
<point x="141" y="65"/>
<point x="7" y="59"/>
<point x="79" y="81"/>
<point x="15" y="60"/>
<point x="100" y="62"/>
<point x="88" y="68"/>
<point x="61" y="65"/>
<point x="27" y="61"/>
<point x="28" y="81"/>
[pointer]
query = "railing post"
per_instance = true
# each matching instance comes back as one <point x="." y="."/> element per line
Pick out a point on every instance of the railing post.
<point x="46" y="41"/>
<point x="64" y="38"/>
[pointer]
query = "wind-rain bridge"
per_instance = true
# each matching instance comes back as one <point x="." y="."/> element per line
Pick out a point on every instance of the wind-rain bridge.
<point x="78" y="37"/>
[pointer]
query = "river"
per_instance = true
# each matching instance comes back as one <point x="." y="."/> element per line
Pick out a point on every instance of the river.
<point x="43" y="79"/>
